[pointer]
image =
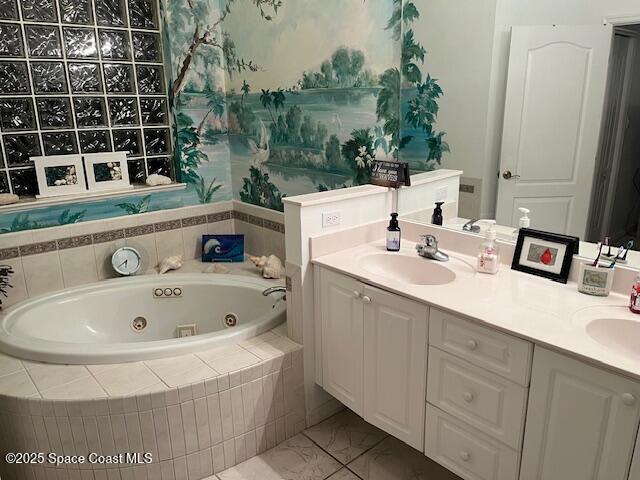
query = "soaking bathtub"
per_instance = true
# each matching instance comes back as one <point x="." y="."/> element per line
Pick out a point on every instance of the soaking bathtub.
<point x="138" y="318"/>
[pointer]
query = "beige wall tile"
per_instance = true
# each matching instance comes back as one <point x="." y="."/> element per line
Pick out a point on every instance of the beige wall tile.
<point x="253" y="238"/>
<point x="273" y="243"/>
<point x="78" y="266"/>
<point x="169" y="243"/>
<point x="42" y="273"/>
<point x="103" y="253"/>
<point x="192" y="239"/>
<point x="19" y="291"/>
<point x="225" y="227"/>
<point x="146" y="245"/>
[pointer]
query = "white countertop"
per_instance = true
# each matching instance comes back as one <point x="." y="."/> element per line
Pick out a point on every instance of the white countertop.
<point x="536" y="309"/>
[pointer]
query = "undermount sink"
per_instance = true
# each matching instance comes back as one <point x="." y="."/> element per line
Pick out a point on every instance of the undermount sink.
<point x="410" y="270"/>
<point x="618" y="333"/>
<point x="613" y="327"/>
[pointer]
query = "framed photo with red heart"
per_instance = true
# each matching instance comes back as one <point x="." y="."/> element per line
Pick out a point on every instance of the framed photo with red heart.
<point x="545" y="254"/>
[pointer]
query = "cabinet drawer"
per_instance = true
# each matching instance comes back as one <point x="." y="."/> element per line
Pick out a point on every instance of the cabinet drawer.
<point x="482" y="399"/>
<point x="501" y="353"/>
<point x="465" y="451"/>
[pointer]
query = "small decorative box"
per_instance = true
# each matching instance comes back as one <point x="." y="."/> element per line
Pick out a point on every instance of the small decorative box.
<point x="595" y="280"/>
<point x="223" y="248"/>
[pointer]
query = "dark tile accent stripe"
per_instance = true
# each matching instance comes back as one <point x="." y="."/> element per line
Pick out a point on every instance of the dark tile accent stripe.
<point x="8" y="253"/>
<point x="193" y="221"/>
<point x="165" y="226"/>
<point x="111" y="235"/>
<point x="240" y="216"/>
<point x="108" y="236"/>
<point x="73" y="242"/>
<point x="138" y="230"/>
<point x="35" y="248"/>
<point x="220" y="216"/>
<point x="275" y="226"/>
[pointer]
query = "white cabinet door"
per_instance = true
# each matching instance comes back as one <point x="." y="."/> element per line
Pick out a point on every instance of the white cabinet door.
<point x="635" y="463"/>
<point x="395" y="362"/>
<point x="581" y="421"/>
<point x="342" y="338"/>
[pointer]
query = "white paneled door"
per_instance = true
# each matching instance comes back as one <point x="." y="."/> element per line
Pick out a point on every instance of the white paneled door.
<point x="553" y="112"/>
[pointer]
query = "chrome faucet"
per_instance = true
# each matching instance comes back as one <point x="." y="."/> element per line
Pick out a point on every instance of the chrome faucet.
<point x="277" y="289"/>
<point x="429" y="249"/>
<point x="470" y="226"/>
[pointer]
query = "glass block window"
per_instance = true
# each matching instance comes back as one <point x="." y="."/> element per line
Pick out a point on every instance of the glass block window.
<point x="81" y="76"/>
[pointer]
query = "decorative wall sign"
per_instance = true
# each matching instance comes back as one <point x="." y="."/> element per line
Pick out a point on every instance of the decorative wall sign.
<point x="223" y="248"/>
<point x="387" y="173"/>
<point x="59" y="175"/>
<point x="107" y="171"/>
<point x="544" y="254"/>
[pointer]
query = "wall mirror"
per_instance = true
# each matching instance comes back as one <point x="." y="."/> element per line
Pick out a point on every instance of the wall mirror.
<point x="540" y="110"/>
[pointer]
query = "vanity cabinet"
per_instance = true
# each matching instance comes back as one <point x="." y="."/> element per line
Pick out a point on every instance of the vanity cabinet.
<point x="374" y="354"/>
<point x="581" y="421"/>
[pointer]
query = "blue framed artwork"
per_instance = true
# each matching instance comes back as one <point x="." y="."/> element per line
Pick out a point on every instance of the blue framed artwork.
<point x="223" y="248"/>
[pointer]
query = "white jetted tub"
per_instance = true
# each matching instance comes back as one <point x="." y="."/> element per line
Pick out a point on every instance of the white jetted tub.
<point x="139" y="318"/>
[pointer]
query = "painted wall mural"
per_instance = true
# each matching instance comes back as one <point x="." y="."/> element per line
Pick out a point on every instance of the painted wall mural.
<point x="274" y="98"/>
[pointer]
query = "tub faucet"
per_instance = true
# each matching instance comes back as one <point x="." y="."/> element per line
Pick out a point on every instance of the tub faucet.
<point x="277" y="289"/>
<point x="429" y="249"/>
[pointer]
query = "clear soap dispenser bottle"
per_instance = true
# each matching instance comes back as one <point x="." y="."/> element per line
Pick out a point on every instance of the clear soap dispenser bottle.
<point x="488" y="256"/>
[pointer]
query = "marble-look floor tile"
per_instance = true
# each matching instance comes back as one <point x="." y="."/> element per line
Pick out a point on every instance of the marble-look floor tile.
<point x="49" y="375"/>
<point x="125" y="378"/>
<point x="344" y="474"/>
<point x="17" y="384"/>
<point x="9" y="365"/>
<point x="393" y="460"/>
<point x="177" y="371"/>
<point x="296" y="459"/>
<point x="345" y="436"/>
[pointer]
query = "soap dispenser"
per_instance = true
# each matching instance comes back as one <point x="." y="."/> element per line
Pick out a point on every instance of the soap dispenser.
<point x="393" y="234"/>
<point x="488" y="256"/>
<point x="436" y="218"/>
<point x="524" y="222"/>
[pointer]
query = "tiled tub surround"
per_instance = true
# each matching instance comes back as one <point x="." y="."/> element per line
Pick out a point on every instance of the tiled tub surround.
<point x="83" y="78"/>
<point x="197" y="414"/>
<point x="50" y="259"/>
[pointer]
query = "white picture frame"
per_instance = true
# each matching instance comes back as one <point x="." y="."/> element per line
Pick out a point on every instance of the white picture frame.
<point x="60" y="175"/>
<point x="99" y="166"/>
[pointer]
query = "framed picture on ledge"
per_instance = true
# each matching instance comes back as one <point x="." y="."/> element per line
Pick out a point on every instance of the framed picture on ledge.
<point x="544" y="254"/>
<point x="107" y="171"/>
<point x="59" y="175"/>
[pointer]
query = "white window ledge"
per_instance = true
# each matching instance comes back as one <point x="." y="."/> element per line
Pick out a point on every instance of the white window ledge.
<point x="31" y="203"/>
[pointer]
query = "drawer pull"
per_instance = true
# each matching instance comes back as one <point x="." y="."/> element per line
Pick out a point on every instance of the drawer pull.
<point x="366" y="299"/>
<point x="356" y="294"/>
<point x="465" y="456"/>
<point x="472" y="344"/>
<point x="628" y="399"/>
<point x="468" y="397"/>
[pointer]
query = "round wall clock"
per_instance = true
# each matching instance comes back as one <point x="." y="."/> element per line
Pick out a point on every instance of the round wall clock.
<point x="126" y="261"/>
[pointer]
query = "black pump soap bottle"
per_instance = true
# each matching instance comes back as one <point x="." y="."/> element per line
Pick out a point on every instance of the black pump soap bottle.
<point x="436" y="218"/>
<point x="393" y="234"/>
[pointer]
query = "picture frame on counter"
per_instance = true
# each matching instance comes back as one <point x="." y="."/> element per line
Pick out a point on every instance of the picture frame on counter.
<point x="544" y="254"/>
<point x="107" y="171"/>
<point x="59" y="175"/>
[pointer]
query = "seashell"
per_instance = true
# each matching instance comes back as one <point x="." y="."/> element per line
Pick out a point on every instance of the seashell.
<point x="216" y="268"/>
<point x="156" y="179"/>
<point x="170" y="263"/>
<point x="271" y="266"/>
<point x="8" y="198"/>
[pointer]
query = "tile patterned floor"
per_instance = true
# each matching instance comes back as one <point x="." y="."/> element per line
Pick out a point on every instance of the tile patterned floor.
<point x="343" y="447"/>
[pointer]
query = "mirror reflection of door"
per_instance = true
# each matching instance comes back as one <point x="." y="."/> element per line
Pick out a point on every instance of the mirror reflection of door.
<point x="553" y="112"/>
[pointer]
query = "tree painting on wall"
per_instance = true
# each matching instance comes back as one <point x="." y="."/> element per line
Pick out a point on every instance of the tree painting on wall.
<point x="327" y="127"/>
<point x="202" y="51"/>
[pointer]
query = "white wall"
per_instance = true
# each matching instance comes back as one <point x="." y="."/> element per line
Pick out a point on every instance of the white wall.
<point x="458" y="37"/>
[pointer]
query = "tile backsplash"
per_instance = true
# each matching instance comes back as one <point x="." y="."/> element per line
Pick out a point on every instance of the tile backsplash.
<point x="81" y="78"/>
<point x="50" y="259"/>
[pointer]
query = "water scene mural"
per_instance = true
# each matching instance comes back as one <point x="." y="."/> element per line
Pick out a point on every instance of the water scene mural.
<point x="274" y="98"/>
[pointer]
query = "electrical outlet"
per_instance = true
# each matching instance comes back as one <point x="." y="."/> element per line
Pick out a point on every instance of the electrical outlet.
<point x="330" y="219"/>
<point x="441" y="194"/>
